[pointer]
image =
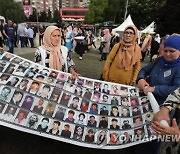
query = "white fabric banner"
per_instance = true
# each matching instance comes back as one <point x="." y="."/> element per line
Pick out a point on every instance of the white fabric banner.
<point x="84" y="112"/>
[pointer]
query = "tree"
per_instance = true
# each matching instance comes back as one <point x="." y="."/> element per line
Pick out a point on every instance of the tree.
<point x="33" y="17"/>
<point x="43" y="17"/>
<point x="49" y="15"/>
<point x="56" y="16"/>
<point x="96" y="11"/>
<point x="12" y="10"/>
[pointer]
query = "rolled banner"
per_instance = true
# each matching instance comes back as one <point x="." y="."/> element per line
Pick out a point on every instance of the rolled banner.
<point x="154" y="103"/>
<point x="155" y="107"/>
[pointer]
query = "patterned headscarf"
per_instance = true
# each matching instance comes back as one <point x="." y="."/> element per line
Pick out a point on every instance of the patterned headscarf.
<point x="55" y="54"/>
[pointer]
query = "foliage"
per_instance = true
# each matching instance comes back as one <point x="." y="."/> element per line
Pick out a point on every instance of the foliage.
<point x="96" y="11"/>
<point x="12" y="10"/>
<point x="56" y="16"/>
<point x="43" y="17"/>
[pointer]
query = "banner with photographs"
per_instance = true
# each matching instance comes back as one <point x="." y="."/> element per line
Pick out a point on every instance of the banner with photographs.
<point x="84" y="112"/>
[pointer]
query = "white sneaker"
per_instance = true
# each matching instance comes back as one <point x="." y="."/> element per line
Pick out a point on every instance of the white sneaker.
<point x="80" y="58"/>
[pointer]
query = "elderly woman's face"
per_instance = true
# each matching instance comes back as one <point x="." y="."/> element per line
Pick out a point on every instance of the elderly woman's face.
<point x="128" y="35"/>
<point x="171" y="54"/>
<point x="55" y="37"/>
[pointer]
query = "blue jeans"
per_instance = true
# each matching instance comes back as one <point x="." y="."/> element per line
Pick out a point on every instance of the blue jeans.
<point x="11" y="45"/>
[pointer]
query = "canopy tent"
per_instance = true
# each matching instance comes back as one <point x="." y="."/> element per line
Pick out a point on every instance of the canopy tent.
<point x="126" y="22"/>
<point x="149" y="29"/>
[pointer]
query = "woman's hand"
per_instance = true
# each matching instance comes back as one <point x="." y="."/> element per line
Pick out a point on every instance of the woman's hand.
<point x="163" y="114"/>
<point x="165" y="130"/>
<point x="148" y="89"/>
<point x="132" y="83"/>
<point x="74" y="74"/>
<point x="142" y="84"/>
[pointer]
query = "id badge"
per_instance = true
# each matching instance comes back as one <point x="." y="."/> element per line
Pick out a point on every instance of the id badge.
<point x="167" y="73"/>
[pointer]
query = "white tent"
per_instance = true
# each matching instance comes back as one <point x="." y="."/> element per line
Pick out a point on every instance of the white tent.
<point x="126" y="22"/>
<point x="149" y="29"/>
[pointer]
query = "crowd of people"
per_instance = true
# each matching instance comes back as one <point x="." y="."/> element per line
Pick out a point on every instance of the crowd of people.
<point x="123" y="64"/>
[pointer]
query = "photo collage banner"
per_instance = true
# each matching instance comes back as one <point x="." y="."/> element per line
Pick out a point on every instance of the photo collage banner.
<point x="84" y="112"/>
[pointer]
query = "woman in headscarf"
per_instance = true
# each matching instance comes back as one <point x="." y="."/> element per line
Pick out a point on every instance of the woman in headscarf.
<point x="52" y="55"/>
<point x="106" y="44"/>
<point x="123" y="63"/>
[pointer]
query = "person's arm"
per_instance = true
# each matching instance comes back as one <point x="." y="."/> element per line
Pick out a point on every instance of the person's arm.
<point x="108" y="62"/>
<point x="136" y="69"/>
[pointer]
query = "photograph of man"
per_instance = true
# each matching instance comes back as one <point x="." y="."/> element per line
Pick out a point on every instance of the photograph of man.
<point x="62" y="76"/>
<point x="89" y="84"/>
<point x="101" y="138"/>
<point x="87" y="93"/>
<point x="50" y="81"/>
<point x="133" y="92"/>
<point x="26" y="64"/>
<point x="105" y="99"/>
<point x="84" y="105"/>
<point x="104" y="110"/>
<point x="125" y="112"/>
<point x="32" y="121"/>
<point x="123" y="91"/>
<point x="43" y="126"/>
<point x="127" y="137"/>
<point x="12" y="81"/>
<point x="147" y="107"/>
<point x="65" y="99"/>
<point x="53" y="74"/>
<point x="134" y="101"/>
<point x="16" y="60"/>
<point x="94" y="109"/>
<point x="23" y="85"/>
<point x="92" y="121"/>
<point x="39" y="78"/>
<point x="5" y="94"/>
<point x="103" y="122"/>
<point x="96" y="96"/>
<point x="59" y="84"/>
<point x="29" y="73"/>
<point x="34" y="87"/>
<point x="9" y="113"/>
<point x="78" y="91"/>
<point x="144" y="100"/>
<point x="70" y="116"/>
<point x="55" y="94"/>
<point x="7" y="56"/>
<point x="20" y="71"/>
<point x="60" y="113"/>
<point x="139" y="132"/>
<point x="114" y="124"/>
<point x="66" y="131"/>
<point x="39" y="105"/>
<point x="90" y="136"/>
<point x="114" y="138"/>
<point x="74" y="103"/>
<point x="45" y="91"/>
<point x="114" y="100"/>
<point x="81" y="119"/>
<point x="137" y="121"/>
<point x="28" y="102"/>
<point x="148" y="117"/>
<point x="4" y="78"/>
<point x="10" y="69"/>
<point x="125" y="101"/>
<point x="49" y="110"/>
<point x="97" y="86"/>
<point x="78" y="133"/>
<point x="114" y="111"/>
<point x="126" y="124"/>
<point x="44" y="72"/>
<point x="69" y="87"/>
<point x="21" y="117"/>
<point x="106" y="89"/>
<point x="55" y="127"/>
<point x="136" y="111"/>
<point x="80" y="81"/>
<point x="16" y="98"/>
